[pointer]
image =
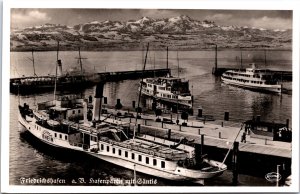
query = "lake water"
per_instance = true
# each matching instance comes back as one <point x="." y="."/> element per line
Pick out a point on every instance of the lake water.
<point x="28" y="160"/>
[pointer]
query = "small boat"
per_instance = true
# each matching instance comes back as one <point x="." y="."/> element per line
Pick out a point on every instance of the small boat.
<point x="169" y="89"/>
<point x="252" y="79"/>
<point x="168" y="92"/>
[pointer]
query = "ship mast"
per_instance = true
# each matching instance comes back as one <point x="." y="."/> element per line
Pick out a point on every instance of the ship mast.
<point x="55" y="80"/>
<point x="140" y="92"/>
<point x="34" y="74"/>
<point x="167" y="58"/>
<point x="241" y="58"/>
<point x="80" y="62"/>
<point x="177" y="65"/>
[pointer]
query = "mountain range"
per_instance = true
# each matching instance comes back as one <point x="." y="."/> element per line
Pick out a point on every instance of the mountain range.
<point x="182" y="33"/>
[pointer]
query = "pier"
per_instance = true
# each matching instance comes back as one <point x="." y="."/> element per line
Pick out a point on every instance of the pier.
<point x="257" y="156"/>
<point x="35" y="84"/>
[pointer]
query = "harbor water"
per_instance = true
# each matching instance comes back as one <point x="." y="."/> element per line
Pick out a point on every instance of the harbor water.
<point x="31" y="159"/>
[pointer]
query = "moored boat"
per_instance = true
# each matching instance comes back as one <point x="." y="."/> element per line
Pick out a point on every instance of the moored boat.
<point x="172" y="90"/>
<point x="64" y="123"/>
<point x="253" y="79"/>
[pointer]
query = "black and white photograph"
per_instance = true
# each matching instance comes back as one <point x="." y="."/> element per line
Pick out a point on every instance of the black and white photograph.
<point x="151" y="98"/>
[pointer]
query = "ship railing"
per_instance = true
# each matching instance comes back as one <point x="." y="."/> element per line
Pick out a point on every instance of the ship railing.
<point x="153" y="152"/>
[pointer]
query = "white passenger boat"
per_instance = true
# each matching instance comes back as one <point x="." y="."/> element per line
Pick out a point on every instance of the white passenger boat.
<point x="253" y="79"/>
<point x="169" y="89"/>
<point x="64" y="123"/>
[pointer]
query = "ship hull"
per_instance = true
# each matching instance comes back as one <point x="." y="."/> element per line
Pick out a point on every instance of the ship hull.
<point x="181" y="104"/>
<point x="263" y="88"/>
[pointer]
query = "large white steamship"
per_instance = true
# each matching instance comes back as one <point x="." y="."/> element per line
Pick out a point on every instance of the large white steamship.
<point x="66" y="123"/>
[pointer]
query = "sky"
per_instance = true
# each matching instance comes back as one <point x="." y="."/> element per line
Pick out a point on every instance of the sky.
<point x="268" y="19"/>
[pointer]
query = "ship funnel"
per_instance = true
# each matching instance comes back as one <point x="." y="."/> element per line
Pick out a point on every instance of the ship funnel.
<point x="98" y="101"/>
<point x="59" y="64"/>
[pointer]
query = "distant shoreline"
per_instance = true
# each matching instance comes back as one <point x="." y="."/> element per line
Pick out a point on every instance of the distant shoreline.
<point x="29" y="49"/>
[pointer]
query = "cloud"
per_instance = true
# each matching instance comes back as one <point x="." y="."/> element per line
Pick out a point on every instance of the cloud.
<point x="219" y="17"/>
<point x="271" y="23"/>
<point x="26" y="18"/>
<point x="159" y="13"/>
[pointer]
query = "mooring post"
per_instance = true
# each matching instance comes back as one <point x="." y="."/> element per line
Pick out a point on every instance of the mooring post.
<point x="202" y="144"/>
<point x="139" y="128"/>
<point x="179" y="127"/>
<point x="199" y="131"/>
<point x="169" y="134"/>
<point x="222" y="124"/>
<point x="162" y="124"/>
<point x="258" y="118"/>
<point x="226" y="116"/>
<point x="277" y="177"/>
<point x="220" y="135"/>
<point x="266" y="141"/>
<point x="235" y="161"/>
<point x="199" y="112"/>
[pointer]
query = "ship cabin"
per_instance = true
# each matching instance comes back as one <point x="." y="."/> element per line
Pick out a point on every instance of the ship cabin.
<point x="167" y="87"/>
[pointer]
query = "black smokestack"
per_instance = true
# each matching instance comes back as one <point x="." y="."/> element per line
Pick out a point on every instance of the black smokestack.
<point x="99" y="90"/>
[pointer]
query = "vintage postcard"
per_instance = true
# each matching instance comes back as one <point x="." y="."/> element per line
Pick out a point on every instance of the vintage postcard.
<point x="125" y="96"/>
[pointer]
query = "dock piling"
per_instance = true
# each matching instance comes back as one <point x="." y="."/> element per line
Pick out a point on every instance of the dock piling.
<point x="139" y="128"/>
<point x="277" y="177"/>
<point x="220" y="135"/>
<point x="169" y="134"/>
<point x="258" y="118"/>
<point x="226" y="116"/>
<point x="222" y="124"/>
<point x="235" y="154"/>
<point x="202" y="144"/>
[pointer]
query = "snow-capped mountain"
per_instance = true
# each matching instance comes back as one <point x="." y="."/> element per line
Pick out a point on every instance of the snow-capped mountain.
<point x="180" y="30"/>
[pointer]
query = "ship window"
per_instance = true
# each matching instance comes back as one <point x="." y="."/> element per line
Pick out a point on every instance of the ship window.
<point x="140" y="158"/>
<point x="60" y="136"/>
<point x="154" y="162"/>
<point x="120" y="152"/>
<point x="126" y="154"/>
<point x="66" y="137"/>
<point x="132" y="156"/>
<point x="55" y="135"/>
<point x="102" y="147"/>
<point x="107" y="148"/>
<point x="73" y="111"/>
<point x="147" y="160"/>
<point x="78" y="111"/>
<point x="163" y="164"/>
<point x="114" y="150"/>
